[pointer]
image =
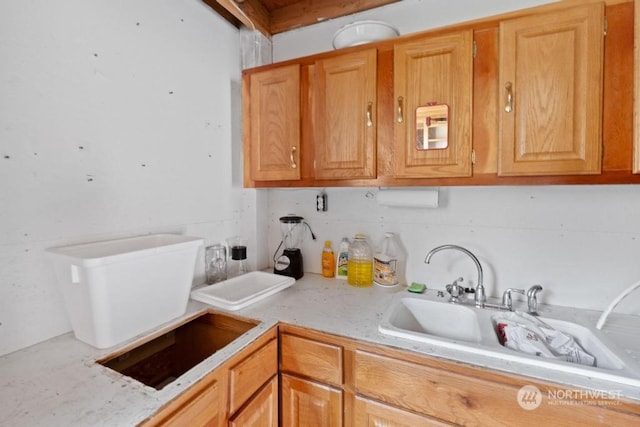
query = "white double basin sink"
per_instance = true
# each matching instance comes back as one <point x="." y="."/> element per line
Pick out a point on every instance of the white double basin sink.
<point x="431" y="319"/>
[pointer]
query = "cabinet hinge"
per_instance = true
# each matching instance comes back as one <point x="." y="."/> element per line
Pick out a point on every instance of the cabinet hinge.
<point x="475" y="49"/>
<point x="606" y="26"/>
<point x="473" y="157"/>
<point x="314" y="164"/>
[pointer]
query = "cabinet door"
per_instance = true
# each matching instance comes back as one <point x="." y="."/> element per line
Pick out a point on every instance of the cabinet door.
<point x="262" y="409"/>
<point x="551" y="70"/>
<point x="433" y="70"/>
<point x="274" y="124"/>
<point x="309" y="404"/>
<point x="371" y="413"/>
<point x="251" y="373"/>
<point x="198" y="407"/>
<point x="345" y="127"/>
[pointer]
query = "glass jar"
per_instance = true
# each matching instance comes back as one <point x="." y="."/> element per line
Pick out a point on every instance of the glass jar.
<point x="216" y="263"/>
<point x="360" y="262"/>
<point x="238" y="264"/>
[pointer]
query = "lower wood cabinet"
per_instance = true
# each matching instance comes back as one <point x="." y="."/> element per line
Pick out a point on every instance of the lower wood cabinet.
<point x="198" y="406"/>
<point x="243" y="391"/>
<point x="369" y="412"/>
<point x="322" y="380"/>
<point x="381" y="386"/>
<point x="307" y="403"/>
<point x="261" y="410"/>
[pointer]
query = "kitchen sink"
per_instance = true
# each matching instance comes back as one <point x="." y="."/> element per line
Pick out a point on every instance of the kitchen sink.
<point x="431" y="319"/>
<point x="161" y="360"/>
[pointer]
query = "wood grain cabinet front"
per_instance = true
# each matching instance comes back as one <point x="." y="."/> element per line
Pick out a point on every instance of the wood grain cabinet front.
<point x="307" y="403"/>
<point x="243" y="391"/>
<point x="198" y="407"/>
<point x="306" y="357"/>
<point x="368" y="412"/>
<point x="551" y="83"/>
<point x="261" y="410"/>
<point x="271" y="124"/>
<point x="344" y="122"/>
<point x="251" y="373"/>
<point x="311" y="372"/>
<point x="470" y="396"/>
<point x="433" y="70"/>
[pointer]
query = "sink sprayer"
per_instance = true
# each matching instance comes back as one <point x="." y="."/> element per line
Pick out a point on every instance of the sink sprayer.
<point x="605" y="314"/>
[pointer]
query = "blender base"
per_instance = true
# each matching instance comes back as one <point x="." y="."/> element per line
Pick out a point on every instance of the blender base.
<point x="290" y="264"/>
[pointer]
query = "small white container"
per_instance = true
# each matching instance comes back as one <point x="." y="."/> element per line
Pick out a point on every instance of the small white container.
<point x="116" y="289"/>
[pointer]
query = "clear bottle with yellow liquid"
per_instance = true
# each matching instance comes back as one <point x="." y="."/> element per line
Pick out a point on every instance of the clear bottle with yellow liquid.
<point x="360" y="262"/>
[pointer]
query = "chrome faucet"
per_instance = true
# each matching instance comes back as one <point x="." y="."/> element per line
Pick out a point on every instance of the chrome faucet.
<point x="480" y="295"/>
<point x="532" y="299"/>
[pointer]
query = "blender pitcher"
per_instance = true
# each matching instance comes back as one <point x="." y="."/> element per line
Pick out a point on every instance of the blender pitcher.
<point x="289" y="263"/>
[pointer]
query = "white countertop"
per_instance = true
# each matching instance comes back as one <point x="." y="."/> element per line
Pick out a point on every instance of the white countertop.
<point x="57" y="382"/>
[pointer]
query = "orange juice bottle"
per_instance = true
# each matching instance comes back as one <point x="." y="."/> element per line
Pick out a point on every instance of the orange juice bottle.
<point x="328" y="260"/>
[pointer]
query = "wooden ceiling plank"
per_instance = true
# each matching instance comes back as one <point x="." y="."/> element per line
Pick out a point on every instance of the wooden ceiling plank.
<point x="307" y="12"/>
<point x="252" y="14"/>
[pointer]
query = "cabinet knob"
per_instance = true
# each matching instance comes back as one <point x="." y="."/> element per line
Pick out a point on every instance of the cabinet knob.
<point x="400" y="117"/>
<point x="292" y="157"/>
<point x="509" y="103"/>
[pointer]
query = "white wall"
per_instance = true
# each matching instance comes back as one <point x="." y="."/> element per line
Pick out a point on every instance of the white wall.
<point x="582" y="243"/>
<point x="116" y="119"/>
<point x="408" y="16"/>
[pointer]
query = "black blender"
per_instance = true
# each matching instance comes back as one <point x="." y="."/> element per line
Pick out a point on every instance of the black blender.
<point x="289" y="263"/>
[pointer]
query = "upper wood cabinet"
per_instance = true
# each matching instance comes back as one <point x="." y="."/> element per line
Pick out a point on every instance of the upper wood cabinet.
<point x="272" y="124"/>
<point x="437" y="69"/>
<point x="348" y="117"/>
<point x="344" y="121"/>
<point x="551" y="74"/>
<point x="636" y="106"/>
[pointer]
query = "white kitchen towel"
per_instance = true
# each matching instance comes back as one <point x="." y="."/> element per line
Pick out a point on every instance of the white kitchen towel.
<point x="525" y="333"/>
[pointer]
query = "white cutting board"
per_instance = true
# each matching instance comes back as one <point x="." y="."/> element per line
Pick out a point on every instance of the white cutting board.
<point x="242" y="291"/>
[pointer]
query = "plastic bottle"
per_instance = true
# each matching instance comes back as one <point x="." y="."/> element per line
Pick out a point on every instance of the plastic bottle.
<point x="328" y="260"/>
<point x="360" y="262"/>
<point x="343" y="257"/>
<point x="388" y="262"/>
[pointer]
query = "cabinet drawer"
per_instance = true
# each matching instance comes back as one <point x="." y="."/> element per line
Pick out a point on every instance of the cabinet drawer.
<point x="466" y="399"/>
<point x="251" y="373"/>
<point x="371" y="413"/>
<point x="313" y="359"/>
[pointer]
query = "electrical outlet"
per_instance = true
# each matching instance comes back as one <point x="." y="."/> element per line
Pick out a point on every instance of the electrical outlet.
<point x="321" y="202"/>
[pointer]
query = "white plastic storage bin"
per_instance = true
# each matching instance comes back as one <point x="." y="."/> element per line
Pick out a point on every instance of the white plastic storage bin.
<point x="116" y="289"/>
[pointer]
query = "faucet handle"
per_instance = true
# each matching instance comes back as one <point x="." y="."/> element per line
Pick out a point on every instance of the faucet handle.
<point x="455" y="290"/>
<point x="506" y="297"/>
<point x="532" y="299"/>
